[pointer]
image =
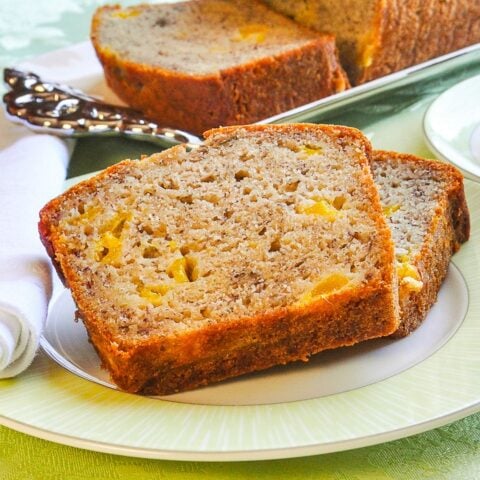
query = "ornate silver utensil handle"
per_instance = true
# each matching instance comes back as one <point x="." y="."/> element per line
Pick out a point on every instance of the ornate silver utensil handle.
<point x="61" y="110"/>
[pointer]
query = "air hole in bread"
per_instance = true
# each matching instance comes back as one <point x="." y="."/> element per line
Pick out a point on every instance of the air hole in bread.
<point x="241" y="174"/>
<point x="161" y="22"/>
<point x="188" y="199"/>
<point x="211" y="198"/>
<point x="145" y="229"/>
<point x="150" y="252"/>
<point x="339" y="202"/>
<point x="275" y="245"/>
<point x="169" y="184"/>
<point x="292" y="186"/>
<point x="245" y="157"/>
<point x="209" y="178"/>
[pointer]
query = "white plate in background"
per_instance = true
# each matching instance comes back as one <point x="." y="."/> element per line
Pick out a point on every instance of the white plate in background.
<point x="452" y="126"/>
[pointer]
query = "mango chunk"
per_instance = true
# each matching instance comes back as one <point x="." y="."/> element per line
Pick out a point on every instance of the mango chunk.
<point x="328" y="285"/>
<point x="183" y="269"/>
<point x="108" y="248"/>
<point x="390" y="209"/>
<point x="177" y="270"/>
<point x="153" y="293"/>
<point x="123" y="14"/>
<point x="310" y="150"/>
<point x="116" y="223"/>
<point x="321" y="207"/>
<point x="86" y="216"/>
<point x="253" y="33"/>
<point x="408" y="275"/>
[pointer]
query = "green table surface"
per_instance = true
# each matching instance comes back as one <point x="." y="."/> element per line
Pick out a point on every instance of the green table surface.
<point x="31" y="27"/>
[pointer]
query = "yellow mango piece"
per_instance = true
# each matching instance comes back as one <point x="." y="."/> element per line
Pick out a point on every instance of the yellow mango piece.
<point x="116" y="223"/>
<point x="408" y="275"/>
<point x="411" y="284"/>
<point x="123" y="14"/>
<point x="320" y="207"/>
<point x="177" y="270"/>
<point x="330" y="284"/>
<point x="310" y="150"/>
<point x="153" y="293"/>
<point x="406" y="269"/>
<point x="326" y="286"/>
<point x="253" y="33"/>
<point x="184" y="269"/>
<point x="86" y="217"/>
<point x="108" y="248"/>
<point x="390" y="209"/>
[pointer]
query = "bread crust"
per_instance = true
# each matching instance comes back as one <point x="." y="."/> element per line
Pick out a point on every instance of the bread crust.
<point x="242" y="94"/>
<point x="449" y="228"/>
<point x="409" y="32"/>
<point x="399" y="33"/>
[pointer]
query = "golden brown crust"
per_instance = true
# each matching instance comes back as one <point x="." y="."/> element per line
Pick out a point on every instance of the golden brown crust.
<point x="238" y="95"/>
<point x="395" y="35"/>
<point x="406" y="33"/>
<point x="293" y="337"/>
<point x="166" y="364"/>
<point x="449" y="228"/>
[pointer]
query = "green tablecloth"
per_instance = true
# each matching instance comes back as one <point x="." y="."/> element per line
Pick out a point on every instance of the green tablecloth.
<point x="28" y="28"/>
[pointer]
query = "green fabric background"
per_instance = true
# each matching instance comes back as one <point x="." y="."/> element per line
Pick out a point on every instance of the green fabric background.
<point x="30" y="27"/>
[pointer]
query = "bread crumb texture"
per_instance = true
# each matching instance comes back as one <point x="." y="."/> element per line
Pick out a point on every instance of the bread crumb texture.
<point x="411" y="194"/>
<point x="256" y="220"/>
<point x="198" y="37"/>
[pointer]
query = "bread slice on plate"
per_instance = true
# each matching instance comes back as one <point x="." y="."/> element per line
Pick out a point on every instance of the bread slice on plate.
<point x="263" y="246"/>
<point x="210" y="63"/>
<point x="425" y="206"/>
<point x="377" y="37"/>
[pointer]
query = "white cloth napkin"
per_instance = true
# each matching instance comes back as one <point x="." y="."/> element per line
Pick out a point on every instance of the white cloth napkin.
<point x="32" y="171"/>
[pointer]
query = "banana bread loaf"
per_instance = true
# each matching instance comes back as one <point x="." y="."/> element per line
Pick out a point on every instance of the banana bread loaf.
<point x="263" y="246"/>
<point x="425" y="206"/>
<point x="377" y="37"/>
<point x="208" y="63"/>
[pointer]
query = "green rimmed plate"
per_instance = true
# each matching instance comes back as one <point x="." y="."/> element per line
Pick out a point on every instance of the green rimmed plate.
<point x="49" y="402"/>
<point x="284" y="415"/>
<point x="437" y="387"/>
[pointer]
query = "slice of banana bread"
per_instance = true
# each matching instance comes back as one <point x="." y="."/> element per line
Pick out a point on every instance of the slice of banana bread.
<point x="377" y="37"/>
<point x="425" y="206"/>
<point x="265" y="245"/>
<point x="210" y="63"/>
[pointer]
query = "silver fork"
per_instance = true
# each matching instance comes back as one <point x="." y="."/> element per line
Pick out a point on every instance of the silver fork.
<point x="62" y="110"/>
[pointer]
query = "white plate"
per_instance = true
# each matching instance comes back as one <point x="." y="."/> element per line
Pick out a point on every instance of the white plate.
<point x="452" y="126"/>
<point x="347" y="399"/>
